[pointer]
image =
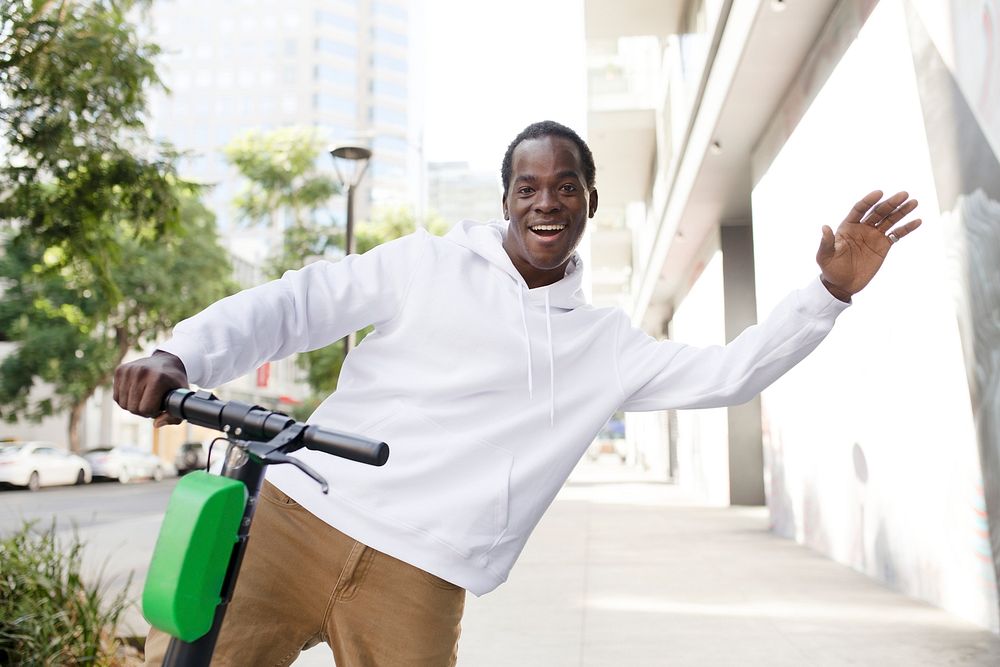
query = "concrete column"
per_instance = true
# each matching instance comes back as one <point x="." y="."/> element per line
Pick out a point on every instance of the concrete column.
<point x="105" y="435"/>
<point x="746" y="454"/>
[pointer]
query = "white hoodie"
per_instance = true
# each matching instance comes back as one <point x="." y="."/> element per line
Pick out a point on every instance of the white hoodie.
<point x="487" y="392"/>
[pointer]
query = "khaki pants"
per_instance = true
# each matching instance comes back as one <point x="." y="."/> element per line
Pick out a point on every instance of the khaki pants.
<point x="303" y="582"/>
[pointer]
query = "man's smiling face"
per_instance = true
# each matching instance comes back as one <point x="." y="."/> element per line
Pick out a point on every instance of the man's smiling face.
<point x="548" y="203"/>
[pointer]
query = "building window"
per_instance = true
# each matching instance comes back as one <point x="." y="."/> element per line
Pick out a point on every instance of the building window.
<point x="326" y="18"/>
<point x="333" y="103"/>
<point x="388" y="88"/>
<point x="333" y="132"/>
<point x="384" y="36"/>
<point x="336" y="47"/>
<point x="384" y="62"/>
<point x="337" y="75"/>
<point x="383" y="144"/>
<point x="380" y="114"/>
<point x="389" y="10"/>
<point x="383" y="170"/>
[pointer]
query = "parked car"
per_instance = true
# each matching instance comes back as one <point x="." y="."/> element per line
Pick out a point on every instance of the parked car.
<point x="126" y="463"/>
<point x="190" y="456"/>
<point x="36" y="464"/>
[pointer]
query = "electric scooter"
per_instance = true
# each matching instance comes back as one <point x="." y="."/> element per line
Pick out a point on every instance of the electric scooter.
<point x="204" y="534"/>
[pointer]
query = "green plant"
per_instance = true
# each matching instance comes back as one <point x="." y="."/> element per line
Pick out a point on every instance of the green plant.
<point x="49" y="615"/>
<point x="69" y="331"/>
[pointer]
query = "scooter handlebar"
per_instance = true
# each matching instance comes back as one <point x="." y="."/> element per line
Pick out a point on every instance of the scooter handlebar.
<point x="252" y="422"/>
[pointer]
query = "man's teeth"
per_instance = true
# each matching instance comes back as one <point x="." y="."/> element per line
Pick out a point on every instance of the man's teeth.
<point x="548" y="228"/>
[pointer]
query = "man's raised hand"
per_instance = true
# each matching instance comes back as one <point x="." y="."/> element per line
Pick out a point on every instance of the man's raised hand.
<point x="850" y="258"/>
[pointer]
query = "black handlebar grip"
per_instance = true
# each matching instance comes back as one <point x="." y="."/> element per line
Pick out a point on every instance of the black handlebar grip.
<point x="346" y="445"/>
<point x="252" y="422"/>
<point x="205" y="412"/>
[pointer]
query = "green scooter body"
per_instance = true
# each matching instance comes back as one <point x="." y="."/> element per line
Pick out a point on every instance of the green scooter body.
<point x="185" y="579"/>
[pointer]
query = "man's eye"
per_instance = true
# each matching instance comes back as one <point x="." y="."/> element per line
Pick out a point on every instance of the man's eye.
<point x="569" y="187"/>
<point x="524" y="191"/>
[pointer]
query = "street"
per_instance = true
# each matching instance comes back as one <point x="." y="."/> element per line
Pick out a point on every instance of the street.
<point x="117" y="522"/>
<point x="623" y="569"/>
<point x="86" y="506"/>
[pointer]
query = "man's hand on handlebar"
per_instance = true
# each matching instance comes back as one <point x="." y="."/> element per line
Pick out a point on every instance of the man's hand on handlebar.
<point x="141" y="385"/>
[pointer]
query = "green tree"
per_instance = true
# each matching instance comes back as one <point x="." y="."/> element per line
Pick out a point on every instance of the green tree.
<point x="284" y="189"/>
<point x="55" y="311"/>
<point x="80" y="170"/>
<point x="392" y="223"/>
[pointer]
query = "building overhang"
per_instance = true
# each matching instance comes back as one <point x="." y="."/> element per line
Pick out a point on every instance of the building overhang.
<point x="624" y="18"/>
<point x="760" y="52"/>
<point x="624" y="147"/>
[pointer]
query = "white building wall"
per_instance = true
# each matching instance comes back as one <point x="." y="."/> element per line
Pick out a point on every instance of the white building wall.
<point x="647" y="435"/>
<point x="52" y="429"/>
<point x="870" y="445"/>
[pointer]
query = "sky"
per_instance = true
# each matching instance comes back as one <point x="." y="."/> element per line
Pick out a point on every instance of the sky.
<point x="493" y="67"/>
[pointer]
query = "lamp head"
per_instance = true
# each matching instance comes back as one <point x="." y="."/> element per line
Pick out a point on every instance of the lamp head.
<point x="350" y="163"/>
<point x="351" y="153"/>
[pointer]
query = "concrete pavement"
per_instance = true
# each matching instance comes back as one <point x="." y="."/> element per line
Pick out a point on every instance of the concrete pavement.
<point x="625" y="571"/>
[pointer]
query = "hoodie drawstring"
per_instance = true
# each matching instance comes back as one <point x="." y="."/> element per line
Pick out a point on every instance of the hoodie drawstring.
<point x="552" y="360"/>
<point x="527" y="338"/>
<point x="487" y="241"/>
<point x="552" y="364"/>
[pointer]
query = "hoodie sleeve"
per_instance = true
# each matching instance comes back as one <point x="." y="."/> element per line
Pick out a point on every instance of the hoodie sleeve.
<point x="661" y="375"/>
<point x="303" y="310"/>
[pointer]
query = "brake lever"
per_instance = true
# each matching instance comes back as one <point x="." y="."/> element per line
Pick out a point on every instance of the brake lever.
<point x="289" y="440"/>
<point x="277" y="448"/>
<point x="279" y="457"/>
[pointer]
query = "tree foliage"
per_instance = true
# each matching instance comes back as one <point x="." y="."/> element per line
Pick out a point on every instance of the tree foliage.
<point x="392" y="223"/>
<point x="57" y="313"/>
<point x="284" y="189"/>
<point x="80" y="168"/>
<point x="104" y="246"/>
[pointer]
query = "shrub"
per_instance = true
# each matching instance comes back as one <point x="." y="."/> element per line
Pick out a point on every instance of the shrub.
<point x="48" y="614"/>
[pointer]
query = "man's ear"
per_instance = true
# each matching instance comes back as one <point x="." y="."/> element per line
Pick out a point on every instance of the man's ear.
<point x="503" y="205"/>
<point x="593" y="203"/>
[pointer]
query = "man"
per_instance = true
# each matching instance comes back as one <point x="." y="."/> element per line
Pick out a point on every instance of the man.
<point x="489" y="376"/>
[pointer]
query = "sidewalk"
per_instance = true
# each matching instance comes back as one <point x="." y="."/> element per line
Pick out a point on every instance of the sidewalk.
<point x="623" y="571"/>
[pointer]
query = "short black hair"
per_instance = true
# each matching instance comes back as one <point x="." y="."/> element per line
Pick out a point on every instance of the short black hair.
<point x="549" y="128"/>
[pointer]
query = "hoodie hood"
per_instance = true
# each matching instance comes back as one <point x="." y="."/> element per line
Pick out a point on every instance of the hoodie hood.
<point x="486" y="240"/>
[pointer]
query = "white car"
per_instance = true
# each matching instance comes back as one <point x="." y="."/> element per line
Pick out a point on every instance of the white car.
<point x="38" y="464"/>
<point x="126" y="464"/>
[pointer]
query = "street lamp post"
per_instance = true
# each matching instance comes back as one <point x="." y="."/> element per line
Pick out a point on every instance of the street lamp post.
<point x="350" y="163"/>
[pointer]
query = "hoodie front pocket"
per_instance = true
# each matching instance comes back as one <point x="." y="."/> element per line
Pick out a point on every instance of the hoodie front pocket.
<point x="448" y="487"/>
